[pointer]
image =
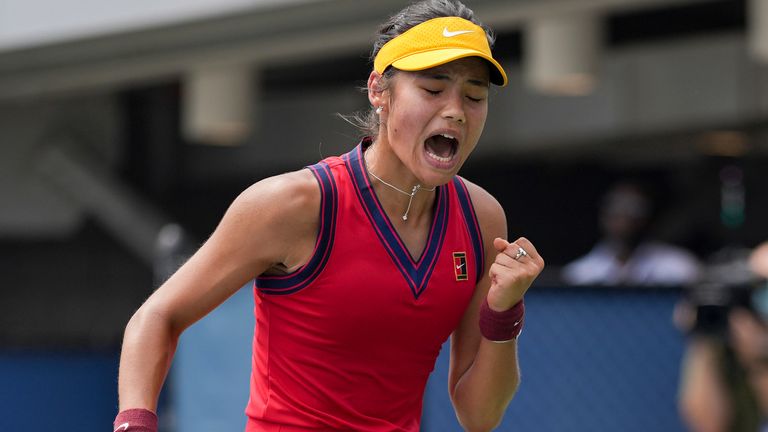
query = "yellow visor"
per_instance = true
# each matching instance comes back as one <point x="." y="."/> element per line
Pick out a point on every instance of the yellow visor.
<point x="436" y="42"/>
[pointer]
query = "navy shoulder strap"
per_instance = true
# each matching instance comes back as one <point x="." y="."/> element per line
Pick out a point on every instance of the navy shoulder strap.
<point x="291" y="283"/>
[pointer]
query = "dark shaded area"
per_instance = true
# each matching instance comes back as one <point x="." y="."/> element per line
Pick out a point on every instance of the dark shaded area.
<point x="77" y="291"/>
<point x="675" y="22"/>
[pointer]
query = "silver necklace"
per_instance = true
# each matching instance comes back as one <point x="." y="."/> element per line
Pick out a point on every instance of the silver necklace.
<point x="411" y="195"/>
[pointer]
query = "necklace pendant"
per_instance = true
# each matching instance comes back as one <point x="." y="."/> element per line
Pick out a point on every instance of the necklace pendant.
<point x="405" y="217"/>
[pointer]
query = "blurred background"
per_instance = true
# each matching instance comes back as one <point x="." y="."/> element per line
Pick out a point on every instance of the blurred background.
<point x="126" y="129"/>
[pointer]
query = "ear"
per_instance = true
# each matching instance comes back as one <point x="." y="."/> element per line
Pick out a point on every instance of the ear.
<point x="375" y="92"/>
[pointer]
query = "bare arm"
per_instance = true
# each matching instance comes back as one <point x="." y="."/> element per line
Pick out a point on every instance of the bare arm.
<point x="702" y="400"/>
<point x="484" y="375"/>
<point x="758" y="260"/>
<point x="273" y="222"/>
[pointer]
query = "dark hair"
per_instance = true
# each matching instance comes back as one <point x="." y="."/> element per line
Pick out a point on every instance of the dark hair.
<point x="367" y="122"/>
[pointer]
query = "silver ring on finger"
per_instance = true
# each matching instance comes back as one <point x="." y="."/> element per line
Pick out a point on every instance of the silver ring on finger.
<point x="520" y="253"/>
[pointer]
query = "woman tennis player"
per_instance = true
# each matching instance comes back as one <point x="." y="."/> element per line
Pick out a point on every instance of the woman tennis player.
<point x="365" y="263"/>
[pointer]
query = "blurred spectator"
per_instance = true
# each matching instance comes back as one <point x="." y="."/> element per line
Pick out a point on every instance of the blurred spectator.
<point x="724" y="374"/>
<point x="626" y="255"/>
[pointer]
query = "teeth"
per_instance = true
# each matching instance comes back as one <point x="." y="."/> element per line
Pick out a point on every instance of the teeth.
<point x="448" y="136"/>
<point x="438" y="158"/>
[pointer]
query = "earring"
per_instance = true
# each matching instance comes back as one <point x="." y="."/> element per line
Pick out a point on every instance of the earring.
<point x="379" y="110"/>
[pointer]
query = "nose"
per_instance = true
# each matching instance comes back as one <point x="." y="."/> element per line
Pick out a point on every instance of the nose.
<point x="454" y="109"/>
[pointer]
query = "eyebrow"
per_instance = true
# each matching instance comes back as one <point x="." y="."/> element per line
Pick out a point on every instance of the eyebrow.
<point x="443" y="77"/>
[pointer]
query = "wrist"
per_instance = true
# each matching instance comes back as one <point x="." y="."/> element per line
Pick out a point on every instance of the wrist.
<point x="501" y="305"/>
<point x="501" y="326"/>
<point x="135" y="420"/>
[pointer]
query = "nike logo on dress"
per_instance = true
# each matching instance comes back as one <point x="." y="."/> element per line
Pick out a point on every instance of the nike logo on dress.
<point x="448" y="34"/>
<point x="459" y="266"/>
<point x="123" y="427"/>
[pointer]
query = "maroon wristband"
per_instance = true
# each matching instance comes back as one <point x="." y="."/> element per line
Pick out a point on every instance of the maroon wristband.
<point x="135" y="420"/>
<point x="501" y="326"/>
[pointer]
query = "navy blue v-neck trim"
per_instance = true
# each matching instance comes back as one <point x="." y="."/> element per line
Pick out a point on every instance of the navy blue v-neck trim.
<point x="416" y="273"/>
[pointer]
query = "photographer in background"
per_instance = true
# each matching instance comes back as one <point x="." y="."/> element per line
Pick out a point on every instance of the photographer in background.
<point x="724" y="374"/>
<point x="758" y="260"/>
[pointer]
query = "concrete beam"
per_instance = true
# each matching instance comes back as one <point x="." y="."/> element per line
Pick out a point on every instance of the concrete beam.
<point x="303" y="31"/>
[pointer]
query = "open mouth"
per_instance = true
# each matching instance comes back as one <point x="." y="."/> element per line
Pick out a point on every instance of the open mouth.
<point x="441" y="147"/>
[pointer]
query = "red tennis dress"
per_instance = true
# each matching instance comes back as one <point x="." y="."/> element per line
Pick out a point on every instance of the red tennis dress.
<point x="348" y="341"/>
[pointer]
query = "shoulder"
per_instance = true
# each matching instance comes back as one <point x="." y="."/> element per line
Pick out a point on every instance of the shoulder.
<point x="591" y="268"/>
<point x="280" y="207"/>
<point x="668" y="256"/>
<point x="665" y="264"/>
<point x="665" y="251"/>
<point x="269" y="223"/>
<point x="490" y="213"/>
<point x="290" y="191"/>
<point x="599" y="253"/>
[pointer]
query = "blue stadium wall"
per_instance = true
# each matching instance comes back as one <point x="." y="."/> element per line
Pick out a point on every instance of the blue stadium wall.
<point x="592" y="360"/>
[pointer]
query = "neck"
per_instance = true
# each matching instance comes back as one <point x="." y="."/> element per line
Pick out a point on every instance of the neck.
<point x="408" y="193"/>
